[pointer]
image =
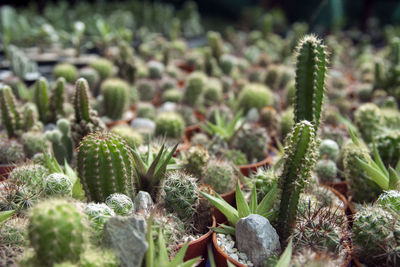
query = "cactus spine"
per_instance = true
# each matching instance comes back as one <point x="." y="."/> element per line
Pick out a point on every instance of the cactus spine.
<point x="41" y="99"/>
<point x="310" y="78"/>
<point x="300" y="154"/>
<point x="105" y="166"/>
<point x="10" y="115"/>
<point x="56" y="232"/>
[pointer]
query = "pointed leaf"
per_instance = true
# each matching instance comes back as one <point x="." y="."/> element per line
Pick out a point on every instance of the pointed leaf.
<point x="284" y="260"/>
<point x="178" y="259"/>
<point x="190" y="263"/>
<point x="378" y="160"/>
<point x="267" y="202"/>
<point x="152" y="169"/>
<point x="253" y="200"/>
<point x="241" y="203"/>
<point x="224" y="229"/>
<point x="224" y="207"/>
<point x="163" y="166"/>
<point x="4" y="215"/>
<point x="211" y="256"/>
<point x="394" y="179"/>
<point x="162" y="248"/>
<point x="375" y="174"/>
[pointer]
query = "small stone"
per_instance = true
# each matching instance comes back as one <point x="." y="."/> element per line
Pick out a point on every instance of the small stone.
<point x="143" y="202"/>
<point x="126" y="236"/>
<point x="234" y="256"/>
<point x="243" y="256"/>
<point x="257" y="238"/>
<point x="167" y="107"/>
<point x="143" y="125"/>
<point x="253" y="115"/>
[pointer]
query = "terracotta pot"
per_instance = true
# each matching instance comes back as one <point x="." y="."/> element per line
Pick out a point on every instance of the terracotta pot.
<point x="5" y="170"/>
<point x="220" y="256"/>
<point x="198" y="247"/>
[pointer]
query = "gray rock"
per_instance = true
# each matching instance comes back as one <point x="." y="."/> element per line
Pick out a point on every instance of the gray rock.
<point x="143" y="125"/>
<point x="167" y="107"/>
<point x="257" y="238"/>
<point x="143" y="202"/>
<point x="126" y="236"/>
<point x="50" y="127"/>
<point x="253" y="115"/>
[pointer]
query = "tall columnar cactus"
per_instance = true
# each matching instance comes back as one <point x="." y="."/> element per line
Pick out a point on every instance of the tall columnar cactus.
<point x="57" y="100"/>
<point x="41" y="99"/>
<point x="56" y="232"/>
<point x="310" y="78"/>
<point x="30" y="116"/>
<point x="61" y="140"/>
<point x="105" y="166"/>
<point x="194" y="88"/>
<point x="115" y="98"/>
<point x="300" y="155"/>
<point x="11" y="117"/>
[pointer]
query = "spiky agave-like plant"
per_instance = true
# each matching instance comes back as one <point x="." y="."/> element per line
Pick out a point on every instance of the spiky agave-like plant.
<point x="11" y="117"/>
<point x="310" y="79"/>
<point x="300" y="155"/>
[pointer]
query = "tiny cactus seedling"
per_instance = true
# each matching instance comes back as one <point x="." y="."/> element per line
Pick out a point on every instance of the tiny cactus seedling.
<point x="120" y="203"/>
<point x="56" y="232"/>
<point x="10" y="114"/>
<point x="310" y="79"/>
<point x="105" y="166"/>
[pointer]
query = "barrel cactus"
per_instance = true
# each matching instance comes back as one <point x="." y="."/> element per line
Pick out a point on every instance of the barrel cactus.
<point x="367" y="118"/>
<point x="255" y="96"/>
<point x="104" y="67"/>
<point x="169" y="124"/>
<point x="196" y="159"/>
<point x="220" y="175"/>
<point x="194" y="88"/>
<point x="120" y="203"/>
<point x="105" y="166"/>
<point x="68" y="71"/>
<point x="115" y="98"/>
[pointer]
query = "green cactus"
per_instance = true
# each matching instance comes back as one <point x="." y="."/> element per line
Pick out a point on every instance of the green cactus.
<point x="196" y="159"/>
<point x="56" y="232"/>
<point x="12" y="231"/>
<point x="272" y="76"/>
<point x="11" y="117"/>
<point x="388" y="145"/>
<point x="11" y="151"/>
<point x="326" y="170"/>
<point x="146" y="89"/>
<point x="255" y="96"/>
<point x="329" y="149"/>
<point x="86" y="120"/>
<point x="269" y="117"/>
<point x="287" y="122"/>
<point x="228" y="63"/>
<point x="98" y="258"/>
<point x="92" y="77"/>
<point x="31" y="175"/>
<point x="213" y="91"/>
<point x="131" y="137"/>
<point x="169" y="124"/>
<point x="146" y="110"/>
<point x="265" y="180"/>
<point x="391" y="200"/>
<point x="103" y="66"/>
<point x="120" y="203"/>
<point x="194" y="87"/>
<point x="41" y="99"/>
<point x="33" y="142"/>
<point x="172" y="95"/>
<point x="67" y="71"/>
<point x="30" y="116"/>
<point x="125" y="61"/>
<point x="105" y="166"/>
<point x="299" y="159"/>
<point x="57" y="100"/>
<point x="215" y="42"/>
<point x="237" y="157"/>
<point x="58" y="184"/>
<point x="376" y="236"/>
<point x="252" y="141"/>
<point x="61" y="140"/>
<point x="98" y="214"/>
<point x="156" y="69"/>
<point x="115" y="98"/>
<point x="310" y="79"/>
<point x="367" y="118"/>
<point x="179" y="192"/>
<point x="220" y="175"/>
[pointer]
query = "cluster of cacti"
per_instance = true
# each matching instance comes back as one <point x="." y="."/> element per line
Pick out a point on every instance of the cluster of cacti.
<point x="220" y="175"/>
<point x="131" y="137"/>
<point x="169" y="124"/>
<point x="180" y="193"/>
<point x="115" y="94"/>
<point x="255" y="96"/>
<point x="58" y="184"/>
<point x="194" y="88"/>
<point x="61" y="140"/>
<point x="120" y="203"/>
<point x="253" y="142"/>
<point x="105" y="166"/>
<point x="196" y="160"/>
<point x="67" y="71"/>
<point x="20" y="64"/>
<point x="86" y="120"/>
<point x="56" y="232"/>
<point x="375" y="235"/>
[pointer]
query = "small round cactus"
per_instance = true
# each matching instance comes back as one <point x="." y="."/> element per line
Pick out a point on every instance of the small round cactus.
<point x="104" y="67"/>
<point x="115" y="94"/>
<point x="58" y="184"/>
<point x="194" y="87"/>
<point x="156" y="69"/>
<point x="237" y="157"/>
<point x="120" y="203"/>
<point x="91" y="76"/>
<point x="146" y="89"/>
<point x="326" y="170"/>
<point x="131" y="137"/>
<point x="180" y="193"/>
<point x="228" y="63"/>
<point x="264" y="179"/>
<point x="376" y="235"/>
<point x="390" y="199"/>
<point x="213" y="91"/>
<point x="169" y="124"/>
<point x="329" y="149"/>
<point x="98" y="214"/>
<point x="67" y="71"/>
<point x="367" y="118"/>
<point x="220" y="175"/>
<point x="196" y="160"/>
<point x="200" y="139"/>
<point x="34" y="142"/>
<point x="11" y="151"/>
<point x="255" y="96"/>
<point x="32" y="175"/>
<point x="145" y="110"/>
<point x="388" y="144"/>
<point x="56" y="232"/>
<point x="172" y="95"/>
<point x="269" y="117"/>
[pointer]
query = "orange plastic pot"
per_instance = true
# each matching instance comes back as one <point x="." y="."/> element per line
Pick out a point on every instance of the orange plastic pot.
<point x="220" y="257"/>
<point x="198" y="247"/>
